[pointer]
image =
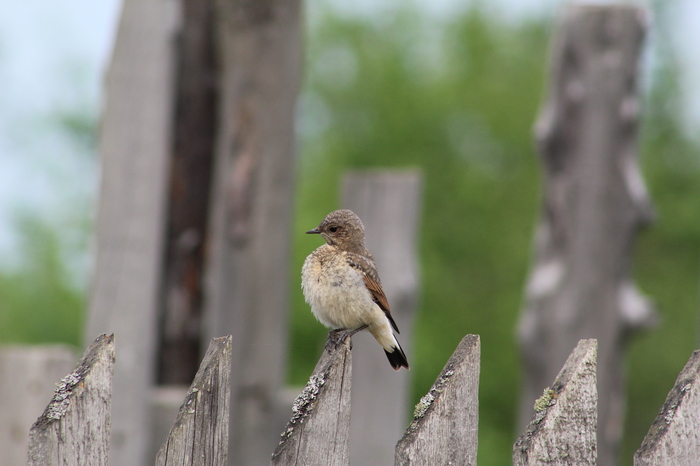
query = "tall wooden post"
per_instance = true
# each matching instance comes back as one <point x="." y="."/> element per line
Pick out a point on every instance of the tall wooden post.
<point x="388" y="202"/>
<point x="247" y="272"/>
<point x="134" y="143"/>
<point x="594" y="203"/>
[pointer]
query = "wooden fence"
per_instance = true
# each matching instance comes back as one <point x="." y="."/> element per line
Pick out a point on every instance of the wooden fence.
<point x="75" y="426"/>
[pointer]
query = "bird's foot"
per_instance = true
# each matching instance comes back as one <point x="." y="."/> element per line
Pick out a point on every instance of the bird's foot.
<point x="338" y="336"/>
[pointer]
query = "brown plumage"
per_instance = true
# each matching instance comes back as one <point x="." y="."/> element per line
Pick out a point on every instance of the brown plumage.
<point x="341" y="283"/>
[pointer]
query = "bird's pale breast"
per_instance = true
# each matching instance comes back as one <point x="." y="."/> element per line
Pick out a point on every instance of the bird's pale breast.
<point x="335" y="291"/>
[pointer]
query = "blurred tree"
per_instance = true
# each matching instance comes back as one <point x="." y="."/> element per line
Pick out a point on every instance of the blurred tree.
<point x="667" y="254"/>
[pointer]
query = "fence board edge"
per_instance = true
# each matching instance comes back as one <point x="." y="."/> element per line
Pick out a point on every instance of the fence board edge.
<point x="449" y="413"/>
<point x="199" y="435"/>
<point x="75" y="426"/>
<point x="675" y="428"/>
<point x="564" y="426"/>
<point x="319" y="429"/>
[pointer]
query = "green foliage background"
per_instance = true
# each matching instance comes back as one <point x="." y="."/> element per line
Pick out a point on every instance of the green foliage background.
<point x="457" y="98"/>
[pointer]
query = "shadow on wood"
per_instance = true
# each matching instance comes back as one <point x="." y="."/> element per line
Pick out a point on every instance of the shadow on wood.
<point x="318" y="432"/>
<point x="75" y="427"/>
<point x="563" y="430"/>
<point x="200" y="433"/>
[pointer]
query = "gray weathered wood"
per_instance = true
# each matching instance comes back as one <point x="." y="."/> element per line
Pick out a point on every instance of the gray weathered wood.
<point x="563" y="429"/>
<point x="199" y="436"/>
<point x="134" y="142"/>
<point x="74" y="428"/>
<point x="595" y="201"/>
<point x="247" y="272"/>
<point x="389" y="204"/>
<point x="28" y="376"/>
<point x="445" y="425"/>
<point x="317" y="433"/>
<point x="674" y="437"/>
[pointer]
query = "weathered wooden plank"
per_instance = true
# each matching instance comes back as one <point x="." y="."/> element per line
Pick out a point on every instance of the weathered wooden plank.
<point x="594" y="202"/>
<point x="199" y="436"/>
<point x="388" y="202"/>
<point x="134" y="143"/>
<point x="74" y="428"/>
<point x="445" y="425"/>
<point x="674" y="437"/>
<point x="28" y="376"/>
<point x="248" y="245"/>
<point x="563" y="430"/>
<point x="317" y="433"/>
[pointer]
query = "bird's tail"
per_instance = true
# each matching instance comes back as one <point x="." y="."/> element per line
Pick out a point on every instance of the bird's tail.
<point x="397" y="358"/>
<point x="392" y="348"/>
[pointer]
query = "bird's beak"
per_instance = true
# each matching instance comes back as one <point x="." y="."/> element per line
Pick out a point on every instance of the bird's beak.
<point x="315" y="231"/>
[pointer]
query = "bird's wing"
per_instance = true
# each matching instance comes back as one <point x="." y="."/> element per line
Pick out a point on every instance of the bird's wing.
<point x="367" y="269"/>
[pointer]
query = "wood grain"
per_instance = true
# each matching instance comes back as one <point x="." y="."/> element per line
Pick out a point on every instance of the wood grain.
<point x="674" y="437"/>
<point x="318" y="431"/>
<point x="445" y="425"/>
<point x="199" y="436"/>
<point x="75" y="426"/>
<point x="563" y="429"/>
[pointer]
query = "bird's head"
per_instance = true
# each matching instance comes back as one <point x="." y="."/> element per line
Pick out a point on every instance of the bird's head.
<point x="343" y="229"/>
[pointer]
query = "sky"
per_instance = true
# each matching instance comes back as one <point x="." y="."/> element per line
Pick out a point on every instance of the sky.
<point x="52" y="61"/>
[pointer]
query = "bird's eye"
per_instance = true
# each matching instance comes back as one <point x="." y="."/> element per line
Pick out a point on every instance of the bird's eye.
<point x="333" y="229"/>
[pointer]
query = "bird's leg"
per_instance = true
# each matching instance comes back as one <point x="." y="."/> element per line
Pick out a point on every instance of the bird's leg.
<point x="337" y="336"/>
<point x="358" y="329"/>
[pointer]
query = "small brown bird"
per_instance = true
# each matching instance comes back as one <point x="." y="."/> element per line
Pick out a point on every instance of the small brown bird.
<point x="341" y="283"/>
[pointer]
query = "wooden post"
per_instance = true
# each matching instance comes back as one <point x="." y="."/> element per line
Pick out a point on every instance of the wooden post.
<point x="674" y="437"/>
<point x="317" y="433"/>
<point x="28" y="376"/>
<point x="194" y="124"/>
<point x="563" y="430"/>
<point x="74" y="429"/>
<point x="446" y="420"/>
<point x="595" y="201"/>
<point x="248" y="247"/>
<point x="200" y="434"/>
<point x="134" y="143"/>
<point x="388" y="202"/>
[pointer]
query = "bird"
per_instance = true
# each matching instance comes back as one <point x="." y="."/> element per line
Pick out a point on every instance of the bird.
<point x="341" y="284"/>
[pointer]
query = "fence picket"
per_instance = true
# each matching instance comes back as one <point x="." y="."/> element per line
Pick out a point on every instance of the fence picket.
<point x="318" y="432"/>
<point x="200" y="433"/>
<point x="445" y="425"/>
<point x="674" y="437"/>
<point x="563" y="430"/>
<point x="74" y="428"/>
